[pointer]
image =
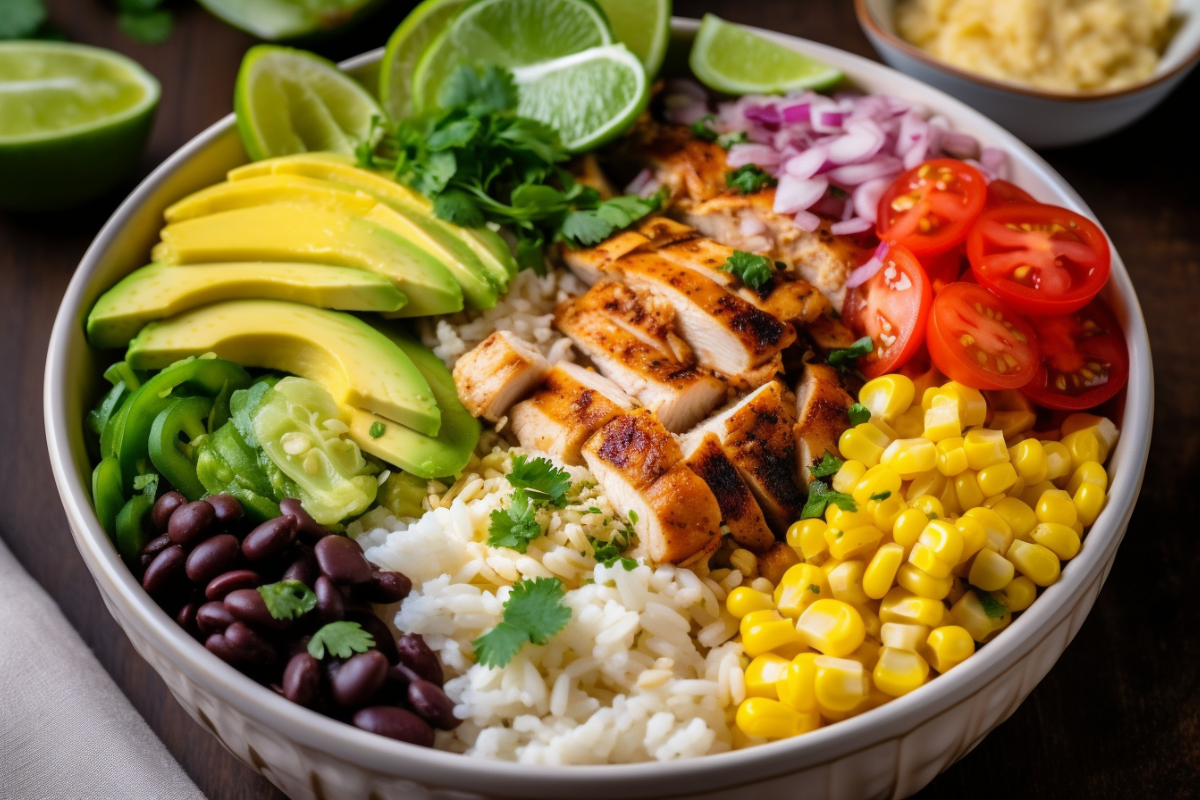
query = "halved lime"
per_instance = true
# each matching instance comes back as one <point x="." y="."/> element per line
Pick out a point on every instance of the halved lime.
<point x="404" y="50"/>
<point x="290" y="101"/>
<point x="73" y="122"/>
<point x="732" y="59"/>
<point x="644" y="26"/>
<point x="276" y="20"/>
<point x="508" y="33"/>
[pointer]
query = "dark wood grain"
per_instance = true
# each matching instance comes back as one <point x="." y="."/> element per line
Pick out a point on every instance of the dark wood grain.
<point x="1118" y="717"/>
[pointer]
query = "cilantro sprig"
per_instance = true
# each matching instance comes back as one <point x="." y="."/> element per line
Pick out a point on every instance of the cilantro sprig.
<point x="541" y="480"/>
<point x="702" y="128"/>
<point x="516" y="527"/>
<point x="288" y="599"/>
<point x="533" y="612"/>
<point x="827" y="466"/>
<point x="843" y="358"/>
<point x="609" y="553"/>
<point x="991" y="606"/>
<point x="749" y="179"/>
<point x="858" y="413"/>
<point x="753" y="270"/>
<point x="342" y="639"/>
<point x="819" y="498"/>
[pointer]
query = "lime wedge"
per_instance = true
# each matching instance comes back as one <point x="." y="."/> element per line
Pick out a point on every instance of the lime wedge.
<point x="731" y="59"/>
<point x="404" y="50"/>
<point x="289" y="101"/>
<point x="275" y="20"/>
<point x="644" y="26"/>
<point x="73" y="122"/>
<point x="508" y="33"/>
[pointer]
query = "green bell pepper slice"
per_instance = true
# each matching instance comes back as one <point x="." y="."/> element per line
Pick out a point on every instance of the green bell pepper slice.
<point x="184" y="415"/>
<point x="133" y="529"/>
<point x="108" y="494"/>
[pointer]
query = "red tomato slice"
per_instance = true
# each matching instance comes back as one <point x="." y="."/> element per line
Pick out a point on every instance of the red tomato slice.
<point x="979" y="341"/>
<point x="1043" y="260"/>
<point x="930" y="209"/>
<point x="891" y="308"/>
<point x="1084" y="359"/>
<point x="944" y="270"/>
<point x="1003" y="193"/>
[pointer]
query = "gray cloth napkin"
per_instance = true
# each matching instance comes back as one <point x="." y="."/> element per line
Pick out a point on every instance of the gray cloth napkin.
<point x="66" y="731"/>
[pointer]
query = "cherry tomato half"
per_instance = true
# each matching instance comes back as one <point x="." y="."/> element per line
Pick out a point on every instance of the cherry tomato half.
<point x="1003" y="193"/>
<point x="930" y="209"/>
<point x="891" y="308"/>
<point x="945" y="269"/>
<point x="1084" y="359"/>
<point x="1042" y="260"/>
<point x="977" y="340"/>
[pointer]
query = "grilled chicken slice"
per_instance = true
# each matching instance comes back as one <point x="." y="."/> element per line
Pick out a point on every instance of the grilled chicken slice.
<point x="692" y="169"/>
<point x="566" y="408"/>
<point x="680" y="395"/>
<point x="739" y="510"/>
<point x="646" y="316"/>
<point x="756" y="434"/>
<point x="662" y="231"/>
<point x="774" y="563"/>
<point x="590" y="265"/>
<point x="640" y="467"/>
<point x="496" y="373"/>
<point x="827" y="333"/>
<point x="821" y="405"/>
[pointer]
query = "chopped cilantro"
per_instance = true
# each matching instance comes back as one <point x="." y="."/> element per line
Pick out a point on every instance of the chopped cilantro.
<point x="812" y="587"/>
<point x="541" y="480"/>
<point x="377" y="429"/>
<point x="728" y="140"/>
<point x="749" y="179"/>
<point x="838" y="192"/>
<point x="288" y="599"/>
<point x="828" y="465"/>
<point x="843" y="359"/>
<point x="633" y="517"/>
<point x="608" y="553"/>
<point x="819" y="498"/>
<point x="593" y="510"/>
<point x="533" y="612"/>
<point x="753" y="270"/>
<point x="859" y="413"/>
<point x="516" y="527"/>
<point x="702" y="129"/>
<point x="884" y="495"/>
<point x="342" y="639"/>
<point x="839" y="534"/>
<point x="991" y="606"/>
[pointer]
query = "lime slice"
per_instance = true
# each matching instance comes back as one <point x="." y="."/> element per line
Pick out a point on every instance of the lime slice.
<point x="589" y="97"/>
<point x="731" y="59"/>
<point x="73" y="122"/>
<point x="404" y="49"/>
<point x="289" y="101"/>
<point x="644" y="26"/>
<point x="508" y="33"/>
<point x="274" y="20"/>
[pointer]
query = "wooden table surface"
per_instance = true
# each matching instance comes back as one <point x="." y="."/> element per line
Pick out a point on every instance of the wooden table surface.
<point x="1118" y="717"/>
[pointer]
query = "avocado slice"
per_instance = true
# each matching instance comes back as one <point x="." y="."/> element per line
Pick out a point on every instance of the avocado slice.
<point x="480" y="289"/>
<point x="158" y="290"/>
<point x="357" y="365"/>
<point x="424" y="456"/>
<point x="310" y="235"/>
<point x="486" y="244"/>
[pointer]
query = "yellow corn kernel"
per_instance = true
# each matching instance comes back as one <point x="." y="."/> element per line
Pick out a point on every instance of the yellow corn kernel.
<point x="846" y="582"/>
<point x="1105" y="428"/>
<point x="798" y="685"/>
<point x="930" y="506"/>
<point x="876" y="480"/>
<point x="1020" y="517"/>
<point x="1019" y="594"/>
<point x="867" y="654"/>
<point x="887" y="429"/>
<point x="864" y="442"/>
<point x="1013" y="423"/>
<point x="1029" y="459"/>
<point x="944" y="541"/>
<point x="951" y="457"/>
<point x="923" y="559"/>
<point x="984" y="448"/>
<point x="974" y="536"/>
<point x="911" y="423"/>
<point x="880" y="574"/>
<point x="969" y="613"/>
<point x="887" y="396"/>
<point x="910" y="457"/>
<point x="801" y="585"/>
<point x="898" y="672"/>
<point x="942" y="421"/>
<point x="901" y="605"/>
<point x="1058" y="539"/>
<point x="764" y="631"/>
<point x="743" y="600"/>
<point x="1085" y="445"/>
<point x="908" y="526"/>
<point x="1089" y="501"/>
<point x="1016" y="489"/>
<point x="1056" y="506"/>
<point x="828" y="566"/>
<point x="832" y="627"/>
<point x="966" y="489"/>
<point x="849" y="543"/>
<point x="837" y="517"/>
<point x="1033" y="493"/>
<point x="958" y="588"/>
<point x="904" y="637"/>
<point x="763" y="672"/>
<point x="808" y="536"/>
<point x="872" y="624"/>
<point x="999" y="534"/>
<point x="996" y="479"/>
<point x="1058" y="461"/>
<point x="922" y="584"/>
<point x="846" y="478"/>
<point x="1035" y="561"/>
<point x="841" y="683"/>
<point x="1088" y="472"/>
<point x="947" y="647"/>
<point x="949" y="500"/>
<point x="764" y="718"/>
<point x="972" y="405"/>
<point x="991" y="571"/>
<point x="885" y="512"/>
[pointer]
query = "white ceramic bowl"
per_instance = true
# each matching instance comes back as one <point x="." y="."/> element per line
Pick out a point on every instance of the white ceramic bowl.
<point x="1041" y="118"/>
<point x="889" y="752"/>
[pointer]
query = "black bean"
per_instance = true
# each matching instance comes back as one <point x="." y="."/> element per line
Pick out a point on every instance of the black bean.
<point x="401" y="676"/>
<point x="212" y="557"/>
<point x="190" y="523"/>
<point x="248" y="606"/>
<point x="385" y="642"/>
<point x="219" y="646"/>
<point x="269" y="539"/>
<point x="428" y="700"/>
<point x="330" y="605"/>
<point x="153" y="548"/>
<point x="303" y="569"/>
<point x="310" y="530"/>
<point x="342" y="560"/>
<point x="418" y="657"/>
<point x="395" y="723"/>
<point x="186" y="617"/>
<point x="164" y="507"/>
<point x="164" y="571"/>
<point x="227" y="507"/>
<point x="222" y="585"/>
<point x="301" y="678"/>
<point x="358" y="680"/>
<point x="385" y="587"/>
<point x="213" y="617"/>
<point x="248" y="645"/>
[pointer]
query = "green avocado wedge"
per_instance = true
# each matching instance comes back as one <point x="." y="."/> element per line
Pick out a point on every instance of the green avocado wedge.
<point x="423" y="456"/>
<point x="158" y="291"/>
<point x="357" y="365"/>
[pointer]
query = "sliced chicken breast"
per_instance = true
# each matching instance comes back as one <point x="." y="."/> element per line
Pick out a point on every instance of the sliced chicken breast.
<point x="645" y="315"/>
<point x="496" y="373"/>
<point x="692" y="169"/>
<point x="821" y="405"/>
<point x="827" y="333"/>
<point x="739" y="510"/>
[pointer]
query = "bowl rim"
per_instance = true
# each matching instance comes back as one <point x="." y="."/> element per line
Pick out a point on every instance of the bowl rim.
<point x="407" y="762"/>
<point x="866" y="18"/>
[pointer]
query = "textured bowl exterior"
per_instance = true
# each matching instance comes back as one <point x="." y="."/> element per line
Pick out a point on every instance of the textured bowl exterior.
<point x="889" y="752"/>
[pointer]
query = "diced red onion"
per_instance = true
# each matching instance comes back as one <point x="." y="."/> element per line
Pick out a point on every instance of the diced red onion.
<point x="850" y="226"/>
<point x="796" y="194"/>
<point x="750" y="225"/>
<point x="882" y="166"/>
<point x="995" y="161"/>
<point x="684" y="110"/>
<point x="760" y="154"/>
<point x="807" y="164"/>
<point x="807" y="222"/>
<point x="865" y="272"/>
<point x="764" y="115"/>
<point x="866" y="198"/>
<point x="801" y="112"/>
<point x="862" y="140"/>
<point x="960" y="145"/>
<point x="639" y="182"/>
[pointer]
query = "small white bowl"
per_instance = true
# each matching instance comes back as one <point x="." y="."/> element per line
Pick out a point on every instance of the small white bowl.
<point x="1041" y="118"/>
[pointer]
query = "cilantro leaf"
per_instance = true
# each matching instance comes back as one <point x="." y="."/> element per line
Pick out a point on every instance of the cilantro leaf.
<point x="342" y="639"/>
<point x="459" y="207"/>
<point x="819" y="498"/>
<point x="288" y="599"/>
<point x="991" y="606"/>
<point x="843" y="359"/>
<point x="516" y="527"/>
<point x="858" y="413"/>
<point x="533" y="612"/>
<point x="812" y="587"/>
<point x="728" y="140"/>
<point x="583" y="228"/>
<point x="489" y="89"/>
<point x="828" y="465"/>
<point x="881" y="496"/>
<point x="500" y="645"/>
<point x="702" y="129"/>
<point x="749" y="179"/>
<point x="541" y="480"/>
<point x="20" y="19"/>
<point x="753" y="270"/>
<point x="147" y="484"/>
<point x="147" y="27"/>
<point x="608" y="553"/>
<point x="377" y="429"/>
